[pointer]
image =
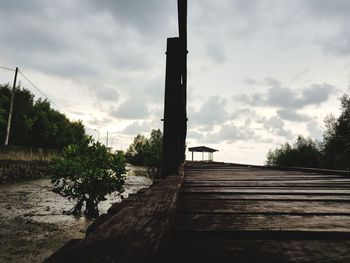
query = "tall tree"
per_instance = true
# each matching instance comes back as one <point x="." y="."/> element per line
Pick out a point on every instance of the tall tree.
<point x="35" y="123"/>
<point x="147" y="152"/>
<point x="336" y="144"/>
<point x="153" y="153"/>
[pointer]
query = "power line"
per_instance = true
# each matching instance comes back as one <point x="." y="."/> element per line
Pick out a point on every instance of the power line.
<point x="36" y="87"/>
<point x="10" y="69"/>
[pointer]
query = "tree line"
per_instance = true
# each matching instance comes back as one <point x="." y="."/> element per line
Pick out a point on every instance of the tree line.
<point x="332" y="152"/>
<point x="34" y="123"/>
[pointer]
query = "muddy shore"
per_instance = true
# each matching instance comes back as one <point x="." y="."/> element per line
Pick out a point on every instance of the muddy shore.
<point x="32" y="223"/>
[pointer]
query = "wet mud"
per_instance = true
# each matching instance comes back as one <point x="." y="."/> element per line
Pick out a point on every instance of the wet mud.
<point x="32" y="223"/>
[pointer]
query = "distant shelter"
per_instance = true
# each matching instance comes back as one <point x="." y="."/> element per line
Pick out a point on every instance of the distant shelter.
<point x="203" y="150"/>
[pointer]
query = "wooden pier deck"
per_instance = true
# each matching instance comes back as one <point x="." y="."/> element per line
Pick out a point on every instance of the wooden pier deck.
<point x="225" y="213"/>
<point x="229" y="213"/>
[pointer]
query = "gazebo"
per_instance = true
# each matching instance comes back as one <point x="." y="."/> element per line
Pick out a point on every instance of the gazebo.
<point x="203" y="149"/>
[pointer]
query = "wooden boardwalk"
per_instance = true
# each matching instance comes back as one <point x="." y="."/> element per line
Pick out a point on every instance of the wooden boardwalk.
<point x="229" y="213"/>
<point x="224" y="213"/>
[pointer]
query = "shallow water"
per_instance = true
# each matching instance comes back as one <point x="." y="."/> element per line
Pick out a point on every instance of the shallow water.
<point x="32" y="223"/>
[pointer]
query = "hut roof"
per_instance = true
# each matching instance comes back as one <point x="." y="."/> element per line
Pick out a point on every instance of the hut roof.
<point x="202" y="149"/>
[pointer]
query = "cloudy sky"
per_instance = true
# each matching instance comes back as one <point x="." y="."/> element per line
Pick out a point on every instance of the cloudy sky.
<point x="260" y="71"/>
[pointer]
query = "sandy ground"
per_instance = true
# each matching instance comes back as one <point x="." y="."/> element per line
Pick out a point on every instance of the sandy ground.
<point x="32" y="223"/>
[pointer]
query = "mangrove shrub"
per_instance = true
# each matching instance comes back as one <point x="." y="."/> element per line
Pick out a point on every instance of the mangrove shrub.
<point x="86" y="173"/>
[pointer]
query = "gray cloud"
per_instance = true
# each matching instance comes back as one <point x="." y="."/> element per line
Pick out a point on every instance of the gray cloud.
<point x="108" y="94"/>
<point x="317" y="93"/>
<point x="231" y="133"/>
<point x="251" y="81"/>
<point x="328" y="9"/>
<point x="216" y="52"/>
<point x="211" y="112"/>
<point x="338" y="45"/>
<point x="129" y="60"/>
<point x="137" y="127"/>
<point x="291" y="115"/>
<point x="336" y="14"/>
<point x="244" y="113"/>
<point x="193" y="134"/>
<point x="99" y="122"/>
<point x="276" y="126"/>
<point x="83" y="38"/>
<point x="282" y="97"/>
<point x="314" y="129"/>
<point x="131" y="109"/>
<point x="138" y="13"/>
<point x="154" y="89"/>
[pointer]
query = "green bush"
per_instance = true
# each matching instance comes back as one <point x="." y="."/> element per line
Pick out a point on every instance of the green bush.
<point x="86" y="173"/>
<point x="332" y="153"/>
<point x="147" y="152"/>
<point x="303" y="153"/>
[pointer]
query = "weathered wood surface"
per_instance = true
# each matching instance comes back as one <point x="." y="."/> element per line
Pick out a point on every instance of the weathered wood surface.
<point x="241" y="214"/>
<point x="219" y="250"/>
<point x="132" y="232"/>
<point x="233" y="214"/>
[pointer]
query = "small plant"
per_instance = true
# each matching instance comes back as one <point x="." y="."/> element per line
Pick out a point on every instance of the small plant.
<point x="86" y="173"/>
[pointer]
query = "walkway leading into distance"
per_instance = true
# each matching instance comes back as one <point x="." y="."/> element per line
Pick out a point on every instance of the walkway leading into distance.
<point x="228" y="213"/>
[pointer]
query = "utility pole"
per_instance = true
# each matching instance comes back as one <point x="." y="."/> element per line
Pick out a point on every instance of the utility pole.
<point x="107" y="140"/>
<point x="11" y="109"/>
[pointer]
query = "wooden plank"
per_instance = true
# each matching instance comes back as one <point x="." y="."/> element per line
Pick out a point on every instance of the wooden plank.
<point x="286" y="180"/>
<point x="233" y="222"/>
<point x="262" y="197"/>
<point x="271" y="190"/>
<point x="251" y="215"/>
<point x="248" y="251"/>
<point x="261" y="177"/>
<point x="291" y="184"/>
<point x="248" y="206"/>
<point x="247" y="170"/>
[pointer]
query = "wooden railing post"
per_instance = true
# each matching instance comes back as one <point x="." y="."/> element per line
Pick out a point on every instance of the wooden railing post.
<point x="175" y="114"/>
<point x="171" y="137"/>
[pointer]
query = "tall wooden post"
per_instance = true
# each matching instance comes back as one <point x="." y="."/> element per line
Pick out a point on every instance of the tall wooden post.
<point x="182" y="18"/>
<point x="175" y="115"/>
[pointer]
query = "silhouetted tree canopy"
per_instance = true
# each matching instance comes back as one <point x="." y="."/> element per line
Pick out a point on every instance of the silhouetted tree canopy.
<point x="332" y="153"/>
<point x="303" y="153"/>
<point x="135" y="154"/>
<point x="336" y="139"/>
<point x="35" y="123"/>
<point x="147" y="152"/>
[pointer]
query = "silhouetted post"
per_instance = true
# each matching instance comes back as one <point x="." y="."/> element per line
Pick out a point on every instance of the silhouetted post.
<point x="171" y="137"/>
<point x="175" y="115"/>
<point x="11" y="109"/>
<point x="182" y="19"/>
